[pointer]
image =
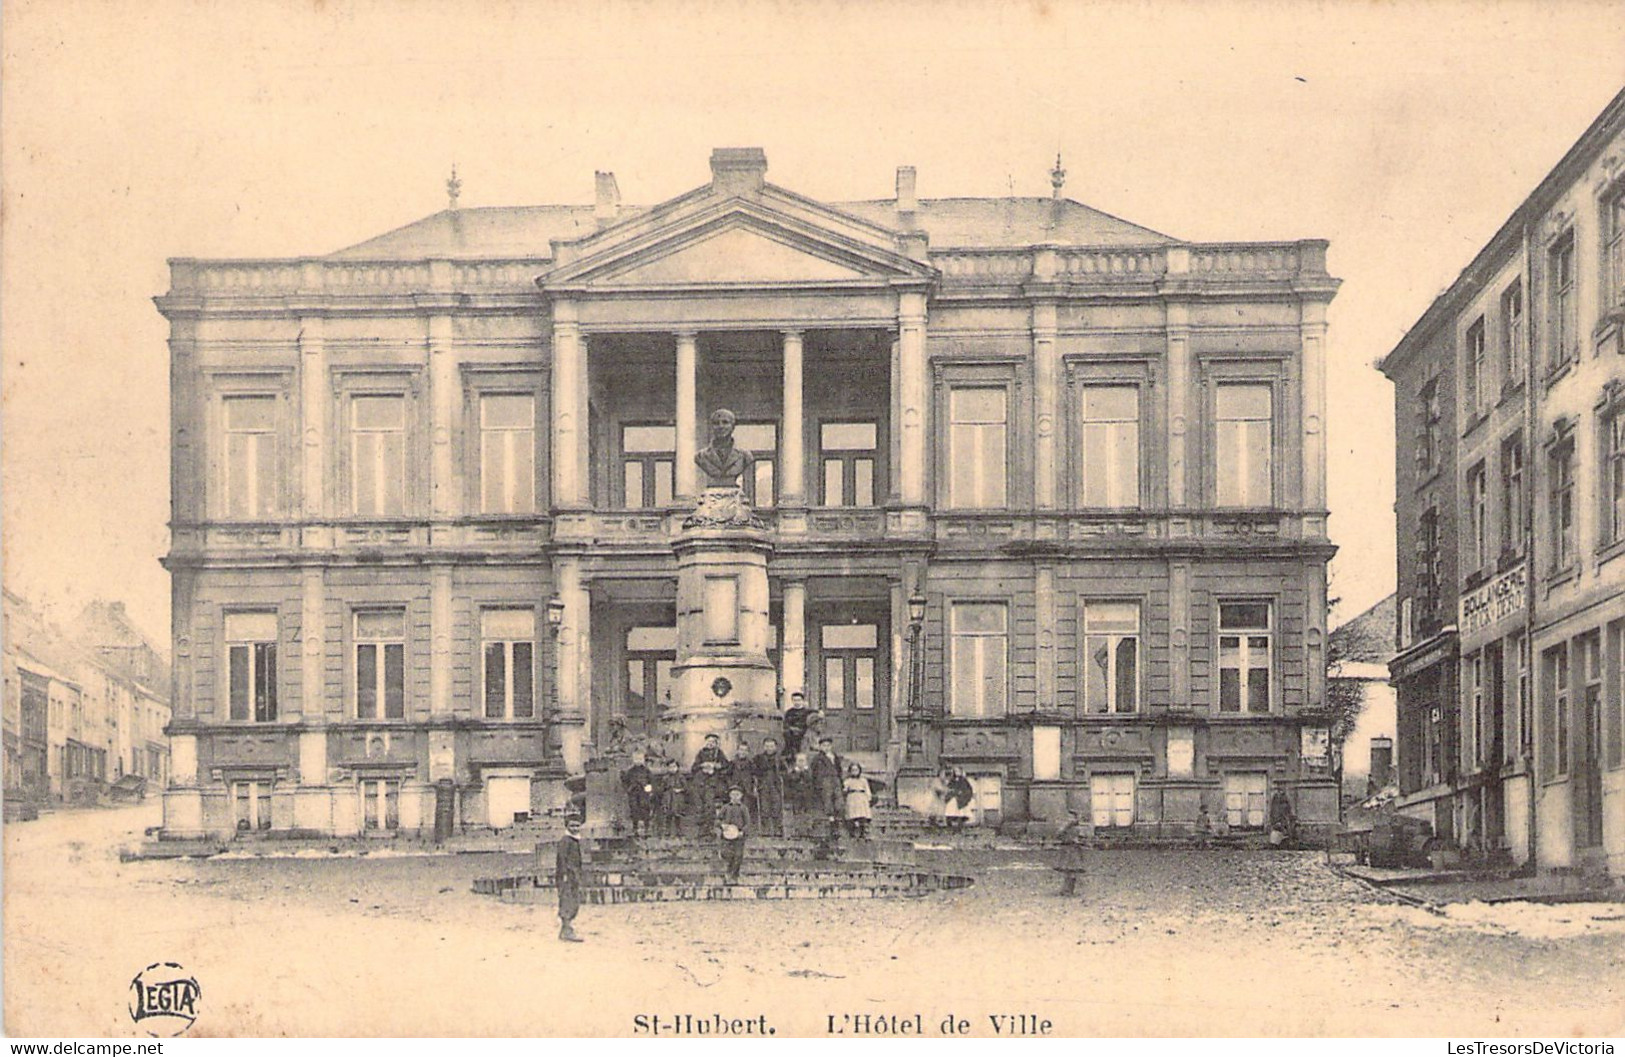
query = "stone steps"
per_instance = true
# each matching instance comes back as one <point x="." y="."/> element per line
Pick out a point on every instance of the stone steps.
<point x="712" y="886"/>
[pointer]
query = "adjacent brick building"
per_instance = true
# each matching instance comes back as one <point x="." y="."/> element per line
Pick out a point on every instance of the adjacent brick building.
<point x="1046" y="488"/>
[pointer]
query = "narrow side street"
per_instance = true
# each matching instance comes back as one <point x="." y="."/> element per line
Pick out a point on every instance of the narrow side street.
<point x="1158" y="943"/>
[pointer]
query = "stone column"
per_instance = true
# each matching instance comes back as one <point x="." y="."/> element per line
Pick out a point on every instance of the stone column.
<point x="313" y="407"/>
<point x="793" y="650"/>
<point x="570" y="439"/>
<point x="445" y="503"/>
<point x="792" y="457"/>
<point x="913" y="388"/>
<point x="1045" y="395"/>
<point x="574" y="672"/>
<point x="687" y="474"/>
<point x="1313" y="333"/>
<point x="1179" y="413"/>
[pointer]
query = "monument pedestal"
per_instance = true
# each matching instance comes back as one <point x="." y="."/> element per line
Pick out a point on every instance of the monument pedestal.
<point x="723" y="682"/>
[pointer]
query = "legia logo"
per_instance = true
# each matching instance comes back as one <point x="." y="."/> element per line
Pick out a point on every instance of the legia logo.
<point x="164" y="999"/>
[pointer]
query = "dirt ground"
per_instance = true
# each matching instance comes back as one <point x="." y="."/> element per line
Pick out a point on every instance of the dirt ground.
<point x="1157" y="943"/>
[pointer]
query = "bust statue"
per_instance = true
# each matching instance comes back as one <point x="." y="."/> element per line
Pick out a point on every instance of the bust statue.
<point x="721" y="462"/>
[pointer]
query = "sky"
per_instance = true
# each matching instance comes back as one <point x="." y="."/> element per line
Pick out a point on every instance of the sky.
<point x="139" y="131"/>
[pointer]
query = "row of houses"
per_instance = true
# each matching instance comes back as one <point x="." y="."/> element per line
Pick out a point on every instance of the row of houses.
<point x="84" y="706"/>
<point x="1510" y="436"/>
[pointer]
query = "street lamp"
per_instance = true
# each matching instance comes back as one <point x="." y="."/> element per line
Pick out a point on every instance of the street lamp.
<point x="916" y="673"/>
<point x="555" y="621"/>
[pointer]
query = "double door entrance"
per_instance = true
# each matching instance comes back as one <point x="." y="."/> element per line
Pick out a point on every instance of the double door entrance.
<point x="848" y="671"/>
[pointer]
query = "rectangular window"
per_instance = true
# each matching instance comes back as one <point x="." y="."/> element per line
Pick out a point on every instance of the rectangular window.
<point x="1613" y="432"/>
<point x="1526" y="697"/>
<point x="380" y="664"/>
<point x="651" y="653"/>
<point x="251" y="457"/>
<point x="1478" y="499"/>
<point x="380" y="803"/>
<point x="1562" y="507"/>
<point x="251" y="805"/>
<point x="507" y="453"/>
<point x="1475" y="375"/>
<point x="1111" y="800"/>
<point x="1246" y="800"/>
<point x="761" y="439"/>
<point x="648" y="456"/>
<point x="1111" y="646"/>
<point x="1428" y="570"/>
<point x="1429" y="418"/>
<point x="1512" y="494"/>
<point x="849" y="665"/>
<point x="1110" y="446"/>
<point x="1555" y="717"/>
<point x="979" y="680"/>
<point x="847" y="454"/>
<point x="977" y="455"/>
<point x="508" y="645"/>
<point x="1244" y="445"/>
<point x="1513" y="336"/>
<point x="1476" y="737"/>
<point x="1564" y="322"/>
<point x="1244" y="656"/>
<point x="378" y="455"/>
<point x="1613" y="248"/>
<point x="721" y="609"/>
<point x="251" y="640"/>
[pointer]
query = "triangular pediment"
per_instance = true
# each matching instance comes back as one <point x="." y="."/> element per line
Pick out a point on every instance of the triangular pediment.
<point x="737" y="254"/>
<point x="732" y="241"/>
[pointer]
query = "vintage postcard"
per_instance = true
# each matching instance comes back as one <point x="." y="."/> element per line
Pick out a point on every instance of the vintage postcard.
<point x="745" y="519"/>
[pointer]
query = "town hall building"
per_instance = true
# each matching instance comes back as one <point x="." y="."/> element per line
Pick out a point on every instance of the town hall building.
<point x="1044" y="489"/>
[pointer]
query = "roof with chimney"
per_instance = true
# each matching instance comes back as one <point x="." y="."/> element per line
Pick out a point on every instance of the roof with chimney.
<point x="959" y="223"/>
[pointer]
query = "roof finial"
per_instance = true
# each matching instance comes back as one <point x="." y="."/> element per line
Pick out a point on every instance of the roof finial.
<point x="454" y="187"/>
<point x="1057" y="177"/>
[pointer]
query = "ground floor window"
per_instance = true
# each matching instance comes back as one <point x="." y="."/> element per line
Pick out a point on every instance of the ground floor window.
<point x="251" y="805"/>
<point x="1111" y="800"/>
<point x="1246" y="800"/>
<point x="380" y="803"/>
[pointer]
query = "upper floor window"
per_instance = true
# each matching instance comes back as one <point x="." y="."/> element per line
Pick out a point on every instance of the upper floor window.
<point x="1476" y="374"/>
<point x="1613" y="247"/>
<point x="761" y="439"/>
<point x="1110" y="446"/>
<point x="1564" y="322"/>
<point x="1245" y="445"/>
<point x="977" y="456"/>
<point x="1512" y="493"/>
<point x="251" y="462"/>
<point x="978" y="659"/>
<point x="1514" y="337"/>
<point x="1479" y="506"/>
<point x="251" y="640"/>
<point x="507" y="453"/>
<point x="1111" y="656"/>
<point x="1613" y="435"/>
<point x="380" y="664"/>
<point x="1429" y="572"/>
<point x="508" y="646"/>
<point x="1429" y="417"/>
<point x="1562" y="505"/>
<point x="648" y="456"/>
<point x="378" y="454"/>
<point x="847" y="453"/>
<point x="1244" y="656"/>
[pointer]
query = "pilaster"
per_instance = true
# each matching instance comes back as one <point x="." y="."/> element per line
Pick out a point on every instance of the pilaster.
<point x="792" y="456"/>
<point x="912" y="385"/>
<point x="1179" y="408"/>
<point x="312" y="644"/>
<point x="440" y="621"/>
<point x="1044" y="603"/>
<point x="569" y="409"/>
<point x="443" y="425"/>
<point x="313" y="408"/>
<point x="1046" y="403"/>
<point x="1313" y="333"/>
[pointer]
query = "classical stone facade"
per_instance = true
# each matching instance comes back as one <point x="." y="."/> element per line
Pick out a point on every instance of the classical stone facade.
<point x="1089" y="457"/>
<point x="1510" y="410"/>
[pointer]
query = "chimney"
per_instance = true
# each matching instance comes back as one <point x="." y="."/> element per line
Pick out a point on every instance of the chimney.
<point x="906" y="200"/>
<point x="608" y="205"/>
<point x="738" y="170"/>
